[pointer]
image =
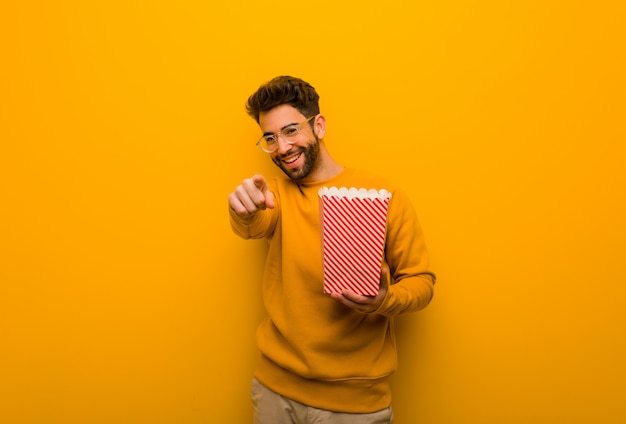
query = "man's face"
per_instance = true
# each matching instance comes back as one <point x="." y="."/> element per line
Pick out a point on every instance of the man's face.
<point x="299" y="159"/>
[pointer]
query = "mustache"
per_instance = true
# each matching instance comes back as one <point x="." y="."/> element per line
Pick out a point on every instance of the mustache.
<point x="291" y="152"/>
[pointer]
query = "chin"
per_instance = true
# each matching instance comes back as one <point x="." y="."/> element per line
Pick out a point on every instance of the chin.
<point x="296" y="175"/>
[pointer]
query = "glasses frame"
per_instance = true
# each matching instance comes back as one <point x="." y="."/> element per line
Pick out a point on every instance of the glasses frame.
<point x="298" y="128"/>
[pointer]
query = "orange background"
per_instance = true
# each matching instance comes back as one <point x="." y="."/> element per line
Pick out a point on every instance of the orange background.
<point x="124" y="296"/>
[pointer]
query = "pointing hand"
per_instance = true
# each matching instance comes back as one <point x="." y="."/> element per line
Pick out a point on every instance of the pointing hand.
<point x="251" y="196"/>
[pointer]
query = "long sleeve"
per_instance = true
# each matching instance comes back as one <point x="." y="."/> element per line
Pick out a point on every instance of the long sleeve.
<point x="412" y="285"/>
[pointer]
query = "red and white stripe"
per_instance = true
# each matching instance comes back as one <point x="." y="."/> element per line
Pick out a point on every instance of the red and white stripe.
<point x="353" y="236"/>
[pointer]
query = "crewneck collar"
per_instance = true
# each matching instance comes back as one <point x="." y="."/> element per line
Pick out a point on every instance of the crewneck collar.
<point x="308" y="184"/>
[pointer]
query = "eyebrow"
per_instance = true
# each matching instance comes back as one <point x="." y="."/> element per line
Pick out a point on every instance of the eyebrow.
<point x="288" y="125"/>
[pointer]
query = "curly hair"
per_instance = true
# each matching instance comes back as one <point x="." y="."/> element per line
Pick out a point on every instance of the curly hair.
<point x="284" y="90"/>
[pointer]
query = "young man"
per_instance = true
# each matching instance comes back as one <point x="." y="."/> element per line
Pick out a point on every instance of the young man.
<point x="324" y="358"/>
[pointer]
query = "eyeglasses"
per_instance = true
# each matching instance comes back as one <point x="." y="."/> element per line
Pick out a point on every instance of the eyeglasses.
<point x="269" y="142"/>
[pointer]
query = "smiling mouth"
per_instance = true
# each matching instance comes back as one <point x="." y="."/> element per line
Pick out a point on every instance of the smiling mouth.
<point x="291" y="159"/>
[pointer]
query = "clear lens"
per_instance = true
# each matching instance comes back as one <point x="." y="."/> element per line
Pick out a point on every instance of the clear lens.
<point x="291" y="131"/>
<point x="269" y="143"/>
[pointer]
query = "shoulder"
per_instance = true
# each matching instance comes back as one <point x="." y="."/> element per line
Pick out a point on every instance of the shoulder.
<point x="360" y="178"/>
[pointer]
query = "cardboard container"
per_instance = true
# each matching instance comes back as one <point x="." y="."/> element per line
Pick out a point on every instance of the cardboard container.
<point x="354" y="224"/>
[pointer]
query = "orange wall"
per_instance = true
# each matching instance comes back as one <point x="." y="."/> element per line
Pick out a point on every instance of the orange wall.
<point x="125" y="298"/>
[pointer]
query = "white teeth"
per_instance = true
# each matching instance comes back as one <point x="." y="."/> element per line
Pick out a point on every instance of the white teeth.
<point x="292" y="159"/>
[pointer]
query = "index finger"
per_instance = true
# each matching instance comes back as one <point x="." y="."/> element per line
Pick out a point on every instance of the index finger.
<point x="260" y="183"/>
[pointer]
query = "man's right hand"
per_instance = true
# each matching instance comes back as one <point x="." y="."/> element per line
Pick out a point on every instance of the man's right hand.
<point x="251" y="196"/>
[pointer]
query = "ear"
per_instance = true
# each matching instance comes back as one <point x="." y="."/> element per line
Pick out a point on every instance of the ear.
<point x="319" y="127"/>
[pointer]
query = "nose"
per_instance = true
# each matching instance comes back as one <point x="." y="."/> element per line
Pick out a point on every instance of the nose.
<point x="283" y="145"/>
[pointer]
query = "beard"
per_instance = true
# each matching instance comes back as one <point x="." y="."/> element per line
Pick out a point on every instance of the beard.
<point x="311" y="154"/>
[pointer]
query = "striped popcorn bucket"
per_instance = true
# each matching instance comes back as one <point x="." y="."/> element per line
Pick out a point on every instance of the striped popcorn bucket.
<point x="354" y="222"/>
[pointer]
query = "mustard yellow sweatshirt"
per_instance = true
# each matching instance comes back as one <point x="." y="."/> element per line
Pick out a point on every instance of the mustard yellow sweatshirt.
<point x="314" y="349"/>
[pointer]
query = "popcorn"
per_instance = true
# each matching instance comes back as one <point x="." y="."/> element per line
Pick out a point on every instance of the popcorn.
<point x="354" y="224"/>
